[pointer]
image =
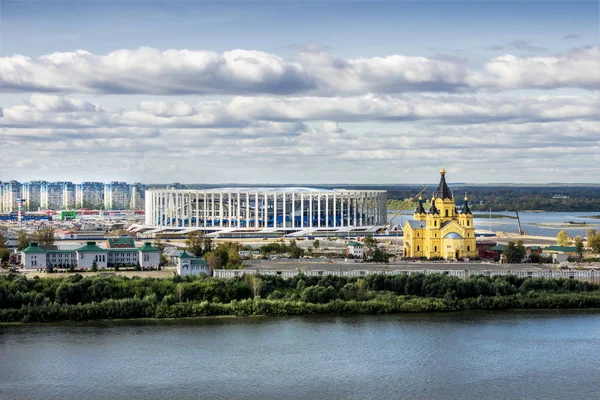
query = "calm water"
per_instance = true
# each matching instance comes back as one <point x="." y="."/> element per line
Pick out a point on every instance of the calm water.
<point x="530" y="222"/>
<point x="533" y="355"/>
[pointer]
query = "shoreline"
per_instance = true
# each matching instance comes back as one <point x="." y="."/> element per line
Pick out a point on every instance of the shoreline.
<point x="149" y="321"/>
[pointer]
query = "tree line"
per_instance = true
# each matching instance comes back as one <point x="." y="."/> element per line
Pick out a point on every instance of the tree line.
<point x="94" y="297"/>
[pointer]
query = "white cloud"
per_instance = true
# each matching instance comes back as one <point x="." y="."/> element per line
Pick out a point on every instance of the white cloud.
<point x="178" y="72"/>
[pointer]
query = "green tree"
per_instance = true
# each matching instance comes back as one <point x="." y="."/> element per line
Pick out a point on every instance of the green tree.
<point x="94" y="266"/>
<point x="213" y="261"/>
<point x="234" y="261"/>
<point x="590" y="233"/>
<point x="44" y="236"/>
<point x="3" y="241"/>
<point x="316" y="244"/>
<point x="207" y="244"/>
<point x="194" y="243"/>
<point x="381" y="256"/>
<point x="514" y="253"/>
<point x="579" y="245"/>
<point x="294" y="250"/>
<point x="562" y="238"/>
<point x="594" y="243"/>
<point x="23" y="240"/>
<point x="159" y="244"/>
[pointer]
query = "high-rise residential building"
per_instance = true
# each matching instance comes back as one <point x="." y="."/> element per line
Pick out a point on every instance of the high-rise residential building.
<point x="117" y="196"/>
<point x="11" y="192"/>
<point x="31" y="192"/>
<point x="58" y="196"/>
<point x="89" y="195"/>
<point x="138" y="196"/>
<point x="68" y="196"/>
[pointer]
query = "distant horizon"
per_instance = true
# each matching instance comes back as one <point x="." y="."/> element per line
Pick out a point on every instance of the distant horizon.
<point x="295" y="184"/>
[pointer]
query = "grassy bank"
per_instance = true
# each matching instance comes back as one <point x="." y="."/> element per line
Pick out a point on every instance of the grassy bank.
<point x="93" y="298"/>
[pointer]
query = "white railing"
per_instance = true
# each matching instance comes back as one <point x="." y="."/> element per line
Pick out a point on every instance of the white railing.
<point x="290" y="273"/>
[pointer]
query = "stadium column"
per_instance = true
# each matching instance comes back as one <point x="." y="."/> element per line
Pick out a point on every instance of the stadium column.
<point x="205" y="210"/>
<point x="170" y="202"/>
<point x="256" y="211"/>
<point x="212" y="209"/>
<point x="310" y="210"/>
<point x="265" y="207"/>
<point x="220" y="209"/>
<point x="319" y="210"/>
<point x="229" y="211"/>
<point x="354" y="203"/>
<point x="238" y="217"/>
<point x="301" y="210"/>
<point x="283" y="209"/>
<point x="334" y="207"/>
<point x="197" y="210"/>
<point x="327" y="209"/>
<point x="293" y="209"/>
<point x="247" y="209"/>
<point x="275" y="210"/>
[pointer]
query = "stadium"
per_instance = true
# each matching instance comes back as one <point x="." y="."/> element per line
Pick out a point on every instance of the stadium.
<point x="246" y="212"/>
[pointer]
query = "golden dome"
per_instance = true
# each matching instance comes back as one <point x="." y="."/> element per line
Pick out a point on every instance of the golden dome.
<point x="443" y="171"/>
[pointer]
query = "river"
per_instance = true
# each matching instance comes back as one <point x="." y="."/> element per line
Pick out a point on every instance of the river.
<point x="533" y="223"/>
<point x="474" y="355"/>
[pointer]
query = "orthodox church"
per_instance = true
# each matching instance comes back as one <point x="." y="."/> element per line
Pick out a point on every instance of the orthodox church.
<point x="441" y="231"/>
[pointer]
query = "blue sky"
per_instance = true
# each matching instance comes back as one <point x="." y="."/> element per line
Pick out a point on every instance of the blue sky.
<point x="311" y="92"/>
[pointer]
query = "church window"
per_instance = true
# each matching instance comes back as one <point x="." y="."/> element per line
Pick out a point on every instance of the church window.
<point x="418" y="248"/>
<point x="434" y="223"/>
<point x="435" y="248"/>
<point x="446" y="213"/>
<point x="467" y="223"/>
<point x="468" y="248"/>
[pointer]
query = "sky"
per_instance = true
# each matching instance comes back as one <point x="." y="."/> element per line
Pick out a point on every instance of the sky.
<point x="300" y="92"/>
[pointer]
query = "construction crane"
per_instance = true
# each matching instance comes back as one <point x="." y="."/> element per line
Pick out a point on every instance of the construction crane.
<point x="403" y="207"/>
<point x="519" y="224"/>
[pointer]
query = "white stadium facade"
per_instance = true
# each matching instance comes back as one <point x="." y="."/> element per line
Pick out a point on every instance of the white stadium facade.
<point x="238" y="212"/>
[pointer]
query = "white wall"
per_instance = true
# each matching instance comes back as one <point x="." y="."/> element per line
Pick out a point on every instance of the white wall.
<point x="85" y="259"/>
<point x="33" y="260"/>
<point x="150" y="259"/>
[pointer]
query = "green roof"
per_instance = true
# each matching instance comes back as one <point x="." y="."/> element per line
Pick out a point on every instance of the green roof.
<point x="62" y="251"/>
<point x="198" y="261"/>
<point x="121" y="241"/>
<point x="90" y="247"/>
<point x="562" y="249"/>
<point x="147" y="247"/>
<point x="354" y="244"/>
<point x="185" y="254"/>
<point x="33" y="248"/>
<point x="498" y="247"/>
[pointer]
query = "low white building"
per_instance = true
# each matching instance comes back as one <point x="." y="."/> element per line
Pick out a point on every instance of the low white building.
<point x="355" y="250"/>
<point x="85" y="257"/>
<point x="192" y="266"/>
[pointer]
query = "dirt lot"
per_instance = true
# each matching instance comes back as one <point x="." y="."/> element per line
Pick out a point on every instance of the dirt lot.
<point x="164" y="273"/>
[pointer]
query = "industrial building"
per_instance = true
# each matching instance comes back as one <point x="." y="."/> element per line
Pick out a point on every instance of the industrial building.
<point x="293" y="211"/>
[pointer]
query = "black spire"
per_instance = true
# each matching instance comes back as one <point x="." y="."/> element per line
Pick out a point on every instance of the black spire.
<point x="433" y="209"/>
<point x="466" y="209"/>
<point x="420" y="209"/>
<point x="443" y="192"/>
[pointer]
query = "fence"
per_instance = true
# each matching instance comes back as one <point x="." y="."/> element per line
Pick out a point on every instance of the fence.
<point x="584" y="275"/>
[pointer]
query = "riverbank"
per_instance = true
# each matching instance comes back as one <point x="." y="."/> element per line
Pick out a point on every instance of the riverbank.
<point x="99" y="298"/>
